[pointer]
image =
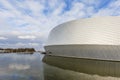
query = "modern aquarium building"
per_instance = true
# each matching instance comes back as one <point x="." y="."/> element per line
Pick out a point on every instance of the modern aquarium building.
<point x="91" y="38"/>
<point x="90" y="46"/>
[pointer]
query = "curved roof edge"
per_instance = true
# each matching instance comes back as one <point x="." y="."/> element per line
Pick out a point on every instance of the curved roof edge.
<point x="97" y="30"/>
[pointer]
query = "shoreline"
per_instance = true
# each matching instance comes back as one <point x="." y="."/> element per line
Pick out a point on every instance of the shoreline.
<point x="17" y="50"/>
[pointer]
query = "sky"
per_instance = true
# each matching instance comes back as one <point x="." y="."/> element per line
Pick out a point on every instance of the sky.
<point x="27" y="23"/>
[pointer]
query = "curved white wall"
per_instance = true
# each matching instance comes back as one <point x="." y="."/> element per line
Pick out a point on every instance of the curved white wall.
<point x="100" y="31"/>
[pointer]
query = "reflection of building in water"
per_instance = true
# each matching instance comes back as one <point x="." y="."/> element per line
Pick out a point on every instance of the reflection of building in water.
<point x="64" y="68"/>
<point x="92" y="38"/>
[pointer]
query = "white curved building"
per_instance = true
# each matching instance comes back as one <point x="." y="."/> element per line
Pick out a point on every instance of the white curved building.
<point x="91" y="38"/>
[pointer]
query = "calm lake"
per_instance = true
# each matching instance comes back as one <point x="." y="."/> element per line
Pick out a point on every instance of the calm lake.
<point x="15" y="66"/>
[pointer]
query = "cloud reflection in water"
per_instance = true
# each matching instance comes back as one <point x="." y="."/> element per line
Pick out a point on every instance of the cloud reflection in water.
<point x="19" y="66"/>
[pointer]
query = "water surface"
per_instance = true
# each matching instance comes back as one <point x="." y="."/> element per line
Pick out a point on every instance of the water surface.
<point x="15" y="66"/>
<point x="65" y="68"/>
<point x="31" y="67"/>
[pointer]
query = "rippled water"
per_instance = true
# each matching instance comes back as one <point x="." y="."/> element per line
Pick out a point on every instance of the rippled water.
<point x="31" y="67"/>
<point x="21" y="66"/>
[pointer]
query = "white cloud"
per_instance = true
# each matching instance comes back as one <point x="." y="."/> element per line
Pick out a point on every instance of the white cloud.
<point x="27" y="37"/>
<point x="2" y="38"/>
<point x="15" y="33"/>
<point x="27" y="44"/>
<point x="33" y="44"/>
<point x="76" y="10"/>
<point x="59" y="9"/>
<point x="113" y="9"/>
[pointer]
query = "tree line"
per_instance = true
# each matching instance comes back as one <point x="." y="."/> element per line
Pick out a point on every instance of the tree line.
<point x="8" y="50"/>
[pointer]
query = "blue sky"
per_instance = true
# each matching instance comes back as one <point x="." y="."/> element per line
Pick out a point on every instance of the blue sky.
<point x="27" y="23"/>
